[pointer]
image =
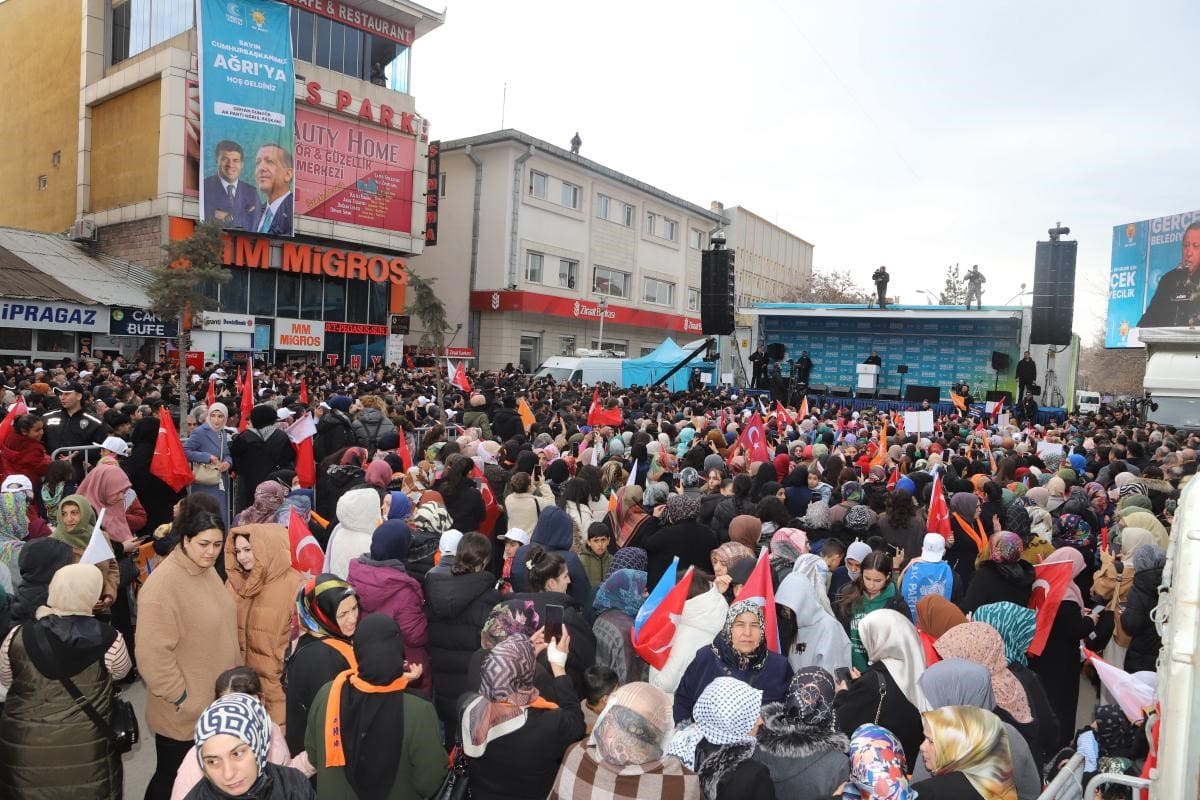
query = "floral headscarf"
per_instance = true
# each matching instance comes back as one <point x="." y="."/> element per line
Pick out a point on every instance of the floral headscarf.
<point x="317" y="604"/>
<point x="1006" y="547"/>
<point x="506" y="690"/>
<point x="1071" y="530"/>
<point x="723" y="648"/>
<point x="789" y="543"/>
<point x="680" y="508"/>
<point x="634" y="725"/>
<point x="809" y="700"/>
<point x="973" y="742"/>
<point x="1015" y="624"/>
<point x="268" y="495"/>
<point x="509" y="619"/>
<point x="623" y="590"/>
<point x="877" y="766"/>
<point x="629" y="558"/>
<point x="981" y="643"/>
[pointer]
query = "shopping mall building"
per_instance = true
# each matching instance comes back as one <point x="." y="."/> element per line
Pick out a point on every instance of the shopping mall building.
<point x="112" y="163"/>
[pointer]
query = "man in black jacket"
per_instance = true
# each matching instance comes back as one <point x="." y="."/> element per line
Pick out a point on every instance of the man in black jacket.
<point x="257" y="452"/>
<point x="1026" y="374"/>
<point x="334" y="430"/>
<point x="72" y="426"/>
<point x="506" y="423"/>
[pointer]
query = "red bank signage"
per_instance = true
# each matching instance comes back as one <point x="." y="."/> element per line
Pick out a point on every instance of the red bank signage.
<point x="357" y="18"/>
<point x="584" y="310"/>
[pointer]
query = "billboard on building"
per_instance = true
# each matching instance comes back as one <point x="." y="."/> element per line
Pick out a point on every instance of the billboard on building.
<point x="351" y="172"/>
<point x="247" y="108"/>
<point x="1154" y="281"/>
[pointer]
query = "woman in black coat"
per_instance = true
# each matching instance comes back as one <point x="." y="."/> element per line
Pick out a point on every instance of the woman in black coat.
<point x="1004" y="577"/>
<point x="463" y="500"/>
<point x="457" y="604"/>
<point x="1148" y="560"/>
<point x="681" y="535"/>
<point x="257" y="452"/>
<point x="155" y="496"/>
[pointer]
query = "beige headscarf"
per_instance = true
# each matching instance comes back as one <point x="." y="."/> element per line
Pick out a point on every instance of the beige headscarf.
<point x="74" y="591"/>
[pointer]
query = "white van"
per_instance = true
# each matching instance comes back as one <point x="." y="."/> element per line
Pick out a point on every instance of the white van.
<point x="585" y="369"/>
<point x="1087" y="402"/>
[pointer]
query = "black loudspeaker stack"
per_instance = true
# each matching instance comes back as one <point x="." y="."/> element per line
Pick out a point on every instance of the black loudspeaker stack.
<point x="716" y="292"/>
<point x="1053" y="292"/>
<point x="1000" y="361"/>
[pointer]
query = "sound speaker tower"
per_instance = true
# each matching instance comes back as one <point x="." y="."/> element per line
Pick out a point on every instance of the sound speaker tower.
<point x="1053" y="292"/>
<point x="716" y="292"/>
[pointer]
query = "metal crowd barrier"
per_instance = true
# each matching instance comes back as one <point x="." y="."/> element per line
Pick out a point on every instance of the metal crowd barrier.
<point x="1068" y="784"/>
<point x="1141" y="786"/>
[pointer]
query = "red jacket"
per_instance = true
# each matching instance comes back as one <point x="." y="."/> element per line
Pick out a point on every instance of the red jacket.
<point x="22" y="455"/>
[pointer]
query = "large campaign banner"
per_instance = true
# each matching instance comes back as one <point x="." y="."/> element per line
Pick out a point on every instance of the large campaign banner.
<point x="1154" y="281"/>
<point x="247" y="111"/>
<point x="352" y="172"/>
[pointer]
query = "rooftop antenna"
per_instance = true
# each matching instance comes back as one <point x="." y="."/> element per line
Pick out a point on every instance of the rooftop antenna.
<point x="503" y="105"/>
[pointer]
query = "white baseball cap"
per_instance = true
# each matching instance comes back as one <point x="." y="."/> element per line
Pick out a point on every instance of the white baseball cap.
<point x="117" y="445"/>
<point x="448" y="544"/>
<point x="285" y="413"/>
<point x="515" y="535"/>
<point x="17" y="483"/>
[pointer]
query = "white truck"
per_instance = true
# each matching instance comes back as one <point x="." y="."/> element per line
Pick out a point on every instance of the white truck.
<point x="589" y="370"/>
<point x="1173" y="376"/>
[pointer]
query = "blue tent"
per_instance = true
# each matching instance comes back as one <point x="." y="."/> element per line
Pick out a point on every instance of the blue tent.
<point x="652" y="366"/>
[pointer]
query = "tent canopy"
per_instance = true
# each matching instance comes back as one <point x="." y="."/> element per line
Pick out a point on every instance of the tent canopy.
<point x="652" y="366"/>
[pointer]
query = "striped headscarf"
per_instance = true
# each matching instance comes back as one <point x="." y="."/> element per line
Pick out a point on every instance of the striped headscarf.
<point x="1015" y="624"/>
<point x="240" y="716"/>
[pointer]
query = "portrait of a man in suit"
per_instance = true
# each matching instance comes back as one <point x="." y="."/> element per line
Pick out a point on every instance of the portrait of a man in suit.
<point x="273" y="175"/>
<point x="227" y="198"/>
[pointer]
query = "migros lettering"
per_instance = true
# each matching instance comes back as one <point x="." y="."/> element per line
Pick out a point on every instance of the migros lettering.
<point x="308" y="259"/>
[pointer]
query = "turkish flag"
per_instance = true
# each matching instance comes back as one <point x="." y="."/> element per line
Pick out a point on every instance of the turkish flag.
<point x="753" y="440"/>
<point x="939" y="512"/>
<point x="303" y="392"/>
<point x="405" y="453"/>
<point x="491" y="508"/>
<point x="301" y="432"/>
<point x="18" y="409"/>
<point x="599" y="416"/>
<point x="212" y="390"/>
<point x="1049" y="588"/>
<point x="891" y="484"/>
<point x="759" y="589"/>
<point x="247" y="399"/>
<point x="169" y="463"/>
<point x="652" y="641"/>
<point x="783" y="414"/>
<point x="458" y="375"/>
<point x="307" y="555"/>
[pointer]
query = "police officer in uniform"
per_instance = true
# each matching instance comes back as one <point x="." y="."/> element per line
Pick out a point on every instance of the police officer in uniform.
<point x="72" y="426"/>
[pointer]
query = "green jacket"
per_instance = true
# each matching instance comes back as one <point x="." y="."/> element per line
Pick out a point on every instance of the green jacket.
<point x="478" y="419"/>
<point x="420" y="763"/>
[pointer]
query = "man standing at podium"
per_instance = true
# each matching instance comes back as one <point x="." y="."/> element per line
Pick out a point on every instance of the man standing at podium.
<point x="875" y="359"/>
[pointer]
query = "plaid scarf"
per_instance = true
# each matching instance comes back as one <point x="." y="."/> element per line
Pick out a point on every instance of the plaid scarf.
<point x="585" y="776"/>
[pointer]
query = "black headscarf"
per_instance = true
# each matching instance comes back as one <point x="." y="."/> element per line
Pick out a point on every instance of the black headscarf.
<point x="143" y="437"/>
<point x="369" y="719"/>
<point x="38" y="562"/>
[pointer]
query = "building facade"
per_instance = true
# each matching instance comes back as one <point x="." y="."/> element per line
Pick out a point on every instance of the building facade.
<point x="769" y="261"/>
<point x="537" y="245"/>
<point x="113" y="161"/>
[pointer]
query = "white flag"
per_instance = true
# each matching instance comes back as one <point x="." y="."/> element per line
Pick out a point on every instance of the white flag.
<point x="596" y="452"/>
<point x="302" y="429"/>
<point x="98" y="548"/>
<point x="632" y="474"/>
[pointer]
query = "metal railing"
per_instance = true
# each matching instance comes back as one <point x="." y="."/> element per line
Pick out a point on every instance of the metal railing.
<point x="1068" y="783"/>
<point x="1141" y="786"/>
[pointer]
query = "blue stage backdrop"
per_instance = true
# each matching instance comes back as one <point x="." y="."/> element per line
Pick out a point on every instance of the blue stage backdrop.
<point x="938" y="352"/>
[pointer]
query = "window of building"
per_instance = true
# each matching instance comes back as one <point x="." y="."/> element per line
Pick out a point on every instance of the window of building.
<point x="336" y="343"/>
<point x="567" y="273"/>
<point x="611" y="282"/>
<point x="16" y="339"/>
<point x="651" y="222"/>
<point x="56" y="341"/>
<point x="696" y="239"/>
<point x="533" y="267"/>
<point x="326" y="43"/>
<point x="262" y="292"/>
<point x="537" y="184"/>
<point x="566" y="345"/>
<point x="442" y="184"/>
<point x="356" y="301"/>
<point x="531" y="351"/>
<point x="669" y="229"/>
<point x="602" y="203"/>
<point x="235" y="292"/>
<point x="377" y="310"/>
<point x="312" y="296"/>
<point x="627" y="215"/>
<point x="570" y="195"/>
<point x="138" y="25"/>
<point x="647" y="349"/>
<point x="288" y="295"/>
<point x="43" y="182"/>
<point x="335" y="301"/>
<point x="693" y="299"/>
<point x="660" y="293"/>
<point x="617" y="345"/>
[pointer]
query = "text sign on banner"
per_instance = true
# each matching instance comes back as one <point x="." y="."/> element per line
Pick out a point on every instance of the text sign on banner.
<point x="299" y="334"/>
<point x="124" y="321"/>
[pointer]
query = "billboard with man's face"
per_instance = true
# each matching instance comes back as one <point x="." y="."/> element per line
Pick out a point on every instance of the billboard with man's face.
<point x="247" y="115"/>
<point x="1155" y="277"/>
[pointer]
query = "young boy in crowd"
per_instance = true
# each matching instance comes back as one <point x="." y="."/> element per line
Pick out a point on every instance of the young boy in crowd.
<point x="513" y="540"/>
<point x="595" y="557"/>
<point x="599" y="681"/>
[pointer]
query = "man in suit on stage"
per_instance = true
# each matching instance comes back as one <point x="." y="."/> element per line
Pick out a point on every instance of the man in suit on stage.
<point x="758" y="365"/>
<point x="273" y="174"/>
<point x="227" y="198"/>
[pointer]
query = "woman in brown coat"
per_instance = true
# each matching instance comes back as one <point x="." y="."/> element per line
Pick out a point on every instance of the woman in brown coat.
<point x="264" y="586"/>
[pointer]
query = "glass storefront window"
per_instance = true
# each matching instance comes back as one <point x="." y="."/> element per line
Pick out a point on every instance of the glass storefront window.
<point x="312" y="302"/>
<point x="234" y="292"/>
<point x="262" y="292"/>
<point x="335" y="301"/>
<point x="326" y="43"/>
<point x="16" y="339"/>
<point x="56" y="341"/>
<point x="288" y="297"/>
<point x="356" y="345"/>
<point x="377" y="313"/>
<point x="334" y="343"/>
<point x="376" y="346"/>
<point x="356" y="306"/>
<point x="138" y="25"/>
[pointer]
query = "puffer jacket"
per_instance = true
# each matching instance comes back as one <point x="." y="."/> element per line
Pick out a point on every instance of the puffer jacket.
<point x="386" y="587"/>
<point x="266" y="599"/>
<point x="22" y="455"/>
<point x="477" y="418"/>
<point x="457" y="606"/>
<point x="368" y="426"/>
<point x="554" y="533"/>
<point x="358" y="514"/>
<point x="523" y="508"/>
<point x="702" y="619"/>
<point x="1135" y="619"/>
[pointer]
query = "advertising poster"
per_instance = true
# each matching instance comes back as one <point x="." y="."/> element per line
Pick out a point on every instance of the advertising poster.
<point x="247" y="112"/>
<point x="356" y="173"/>
<point x="1154" y="280"/>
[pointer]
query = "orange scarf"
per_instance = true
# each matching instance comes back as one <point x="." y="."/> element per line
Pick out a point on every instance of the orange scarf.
<point x="344" y="648"/>
<point x="335" y="753"/>
<point x="976" y="533"/>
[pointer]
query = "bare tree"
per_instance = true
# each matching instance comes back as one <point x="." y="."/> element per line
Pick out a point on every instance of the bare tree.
<point x="828" y="287"/>
<point x="1114" y="371"/>
<point x="954" y="290"/>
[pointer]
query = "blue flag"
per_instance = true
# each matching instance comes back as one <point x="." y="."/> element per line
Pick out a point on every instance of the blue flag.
<point x="664" y="586"/>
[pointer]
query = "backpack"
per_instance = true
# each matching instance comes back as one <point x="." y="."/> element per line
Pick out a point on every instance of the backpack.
<point x="372" y="437"/>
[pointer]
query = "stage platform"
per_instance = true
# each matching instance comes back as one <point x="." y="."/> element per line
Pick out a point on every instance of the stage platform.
<point x="1045" y="415"/>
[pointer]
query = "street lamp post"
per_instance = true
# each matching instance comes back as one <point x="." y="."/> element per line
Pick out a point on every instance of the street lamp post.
<point x="603" y="313"/>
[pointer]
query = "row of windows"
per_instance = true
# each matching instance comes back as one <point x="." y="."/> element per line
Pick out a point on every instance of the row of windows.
<point x="271" y="293"/>
<point x="570" y="196"/>
<point x="539" y="268"/>
<point x="138" y="25"/>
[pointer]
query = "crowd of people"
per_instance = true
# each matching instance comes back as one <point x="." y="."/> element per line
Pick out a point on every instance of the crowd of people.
<point x="487" y="564"/>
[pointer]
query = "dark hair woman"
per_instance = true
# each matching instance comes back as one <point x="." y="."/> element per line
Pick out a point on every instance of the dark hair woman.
<point x="462" y="499"/>
<point x="902" y="526"/>
<point x="736" y="505"/>
<point x="872" y="589"/>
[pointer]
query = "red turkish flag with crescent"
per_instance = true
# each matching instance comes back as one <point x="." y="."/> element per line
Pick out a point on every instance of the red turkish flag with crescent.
<point x="307" y="555"/>
<point x="753" y="440"/>
<point x="1049" y="588"/>
<point x="939" y="512"/>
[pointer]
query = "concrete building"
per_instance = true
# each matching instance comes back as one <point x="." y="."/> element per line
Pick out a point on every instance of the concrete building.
<point x="536" y="243"/>
<point x="769" y="261"/>
<point x="100" y="113"/>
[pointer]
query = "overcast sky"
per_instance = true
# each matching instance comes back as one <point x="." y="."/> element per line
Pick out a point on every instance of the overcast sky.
<point x="914" y="134"/>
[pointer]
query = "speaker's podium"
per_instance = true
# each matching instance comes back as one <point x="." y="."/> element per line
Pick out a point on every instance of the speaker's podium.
<point x="868" y="378"/>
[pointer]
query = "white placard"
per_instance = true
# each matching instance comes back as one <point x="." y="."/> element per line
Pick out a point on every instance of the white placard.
<point x="727" y="377"/>
<point x="705" y="378"/>
<point x="98" y="548"/>
<point x="918" y="421"/>
<point x="1051" y="448"/>
<point x="299" y="334"/>
<point x="1002" y="419"/>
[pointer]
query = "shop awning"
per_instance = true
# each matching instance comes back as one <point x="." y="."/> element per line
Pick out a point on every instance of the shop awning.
<point x="46" y="266"/>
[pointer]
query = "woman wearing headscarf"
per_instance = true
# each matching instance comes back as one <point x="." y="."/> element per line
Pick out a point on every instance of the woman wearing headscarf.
<point x="229" y="727"/>
<point x="719" y="743"/>
<point x="935" y="616"/>
<point x="799" y="740"/>
<point x="267" y="498"/>
<point x="1041" y="531"/>
<point x="629" y="522"/>
<point x="681" y="534"/>
<point x="513" y="738"/>
<point x="624" y="759"/>
<point x="263" y="585"/>
<point x="1072" y="530"/>
<point x="209" y="444"/>
<point x="525" y="500"/>
<point x="737" y="504"/>
<point x="49" y="748"/>
<point x="38" y="562"/>
<point x="187" y="635"/>
<point x="746" y="529"/>
<point x="358" y="512"/>
<point x="797" y="492"/>
<point x="1058" y="665"/>
<point x="616" y="605"/>
<point x="1003" y="577"/>
<point x="739" y="651"/>
<point x="368" y="707"/>
<point x="155" y="496"/>
<point x="968" y="538"/>
<point x="1138" y="517"/>
<point x="821" y="641"/>
<point x="105" y="488"/>
<point x="1148" y="560"/>
<point x="887" y="692"/>
<point x="384" y="586"/>
<point x="966" y="750"/>
<point x="877" y="766"/>
<point x="957" y="682"/>
<point x="327" y="612"/>
<point x="76" y="521"/>
<point x="702" y="620"/>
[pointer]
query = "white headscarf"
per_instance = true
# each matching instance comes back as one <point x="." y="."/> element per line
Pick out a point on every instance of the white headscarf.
<point x="216" y="407"/>
<point x="889" y="637"/>
<point x="724" y="714"/>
